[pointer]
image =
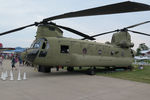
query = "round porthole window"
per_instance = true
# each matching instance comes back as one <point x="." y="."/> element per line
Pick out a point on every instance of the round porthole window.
<point x="84" y="50"/>
<point x="99" y="52"/>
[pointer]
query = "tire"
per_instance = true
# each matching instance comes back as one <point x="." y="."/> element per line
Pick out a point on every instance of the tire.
<point x="130" y="68"/>
<point x="44" y="69"/>
<point x="91" y="72"/>
<point x="70" y="69"/>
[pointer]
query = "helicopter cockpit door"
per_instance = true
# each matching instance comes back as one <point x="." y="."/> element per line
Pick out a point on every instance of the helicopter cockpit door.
<point x="44" y="48"/>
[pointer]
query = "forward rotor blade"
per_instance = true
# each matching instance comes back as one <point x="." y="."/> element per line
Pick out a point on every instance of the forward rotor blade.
<point x="132" y="26"/>
<point x="74" y="31"/>
<point x="122" y="7"/>
<point x="139" y="33"/>
<point x="17" y="29"/>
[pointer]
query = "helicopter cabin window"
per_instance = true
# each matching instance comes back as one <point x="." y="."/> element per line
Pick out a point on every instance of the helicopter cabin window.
<point x="99" y="52"/>
<point x="84" y="50"/>
<point x="64" y="49"/>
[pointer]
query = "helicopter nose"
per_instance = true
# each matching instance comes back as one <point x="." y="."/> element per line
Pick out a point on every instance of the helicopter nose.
<point x="31" y="55"/>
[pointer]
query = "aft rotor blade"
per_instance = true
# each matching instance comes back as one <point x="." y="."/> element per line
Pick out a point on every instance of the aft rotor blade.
<point x="74" y="31"/>
<point x="101" y="34"/>
<point x="141" y="33"/>
<point x="122" y="7"/>
<point x="17" y="29"/>
<point x="132" y="26"/>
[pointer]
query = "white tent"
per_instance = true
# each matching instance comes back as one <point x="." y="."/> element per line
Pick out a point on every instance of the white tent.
<point x="141" y="58"/>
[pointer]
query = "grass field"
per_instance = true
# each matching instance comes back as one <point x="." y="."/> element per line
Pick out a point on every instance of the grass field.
<point x="139" y="75"/>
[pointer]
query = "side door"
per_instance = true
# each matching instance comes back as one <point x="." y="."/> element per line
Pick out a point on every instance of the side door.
<point x="64" y="53"/>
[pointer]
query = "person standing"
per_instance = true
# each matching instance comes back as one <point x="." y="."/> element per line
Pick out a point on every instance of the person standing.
<point x="13" y="62"/>
<point x="1" y="60"/>
<point x="20" y="60"/>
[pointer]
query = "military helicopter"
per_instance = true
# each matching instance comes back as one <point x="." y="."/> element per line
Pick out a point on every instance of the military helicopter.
<point x="50" y="49"/>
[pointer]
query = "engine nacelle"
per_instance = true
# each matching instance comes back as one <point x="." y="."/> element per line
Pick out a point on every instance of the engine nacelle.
<point x="125" y="44"/>
<point x="122" y="39"/>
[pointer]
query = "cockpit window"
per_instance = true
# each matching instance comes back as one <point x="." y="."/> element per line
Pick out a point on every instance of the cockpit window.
<point x="47" y="45"/>
<point x="40" y="43"/>
<point x="44" y="45"/>
<point x="37" y="43"/>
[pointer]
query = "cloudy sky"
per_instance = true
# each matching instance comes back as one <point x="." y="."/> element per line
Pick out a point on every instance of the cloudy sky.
<point x="17" y="13"/>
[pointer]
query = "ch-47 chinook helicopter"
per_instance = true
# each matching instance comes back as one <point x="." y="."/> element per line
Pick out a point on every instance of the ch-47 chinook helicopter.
<point x="50" y="49"/>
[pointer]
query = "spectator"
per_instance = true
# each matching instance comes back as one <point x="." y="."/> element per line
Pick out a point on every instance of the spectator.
<point x="20" y="60"/>
<point x="13" y="62"/>
<point x="1" y="60"/>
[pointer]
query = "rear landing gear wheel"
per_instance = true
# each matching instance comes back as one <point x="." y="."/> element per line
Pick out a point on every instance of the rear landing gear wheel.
<point x="130" y="68"/>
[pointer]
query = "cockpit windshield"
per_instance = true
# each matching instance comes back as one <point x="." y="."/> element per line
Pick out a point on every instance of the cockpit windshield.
<point x="40" y="43"/>
<point x="37" y="43"/>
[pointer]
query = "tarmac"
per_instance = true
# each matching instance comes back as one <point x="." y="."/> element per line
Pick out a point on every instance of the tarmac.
<point x="65" y="85"/>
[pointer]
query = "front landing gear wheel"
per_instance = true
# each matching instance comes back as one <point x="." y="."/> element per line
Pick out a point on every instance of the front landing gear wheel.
<point x="91" y="72"/>
<point x="44" y="69"/>
<point x="70" y="69"/>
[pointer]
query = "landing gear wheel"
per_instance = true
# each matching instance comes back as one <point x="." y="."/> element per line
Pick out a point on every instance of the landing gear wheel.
<point x="70" y="69"/>
<point x="57" y="68"/>
<point x="44" y="69"/>
<point x="130" y="68"/>
<point x="80" y="67"/>
<point x="91" y="72"/>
